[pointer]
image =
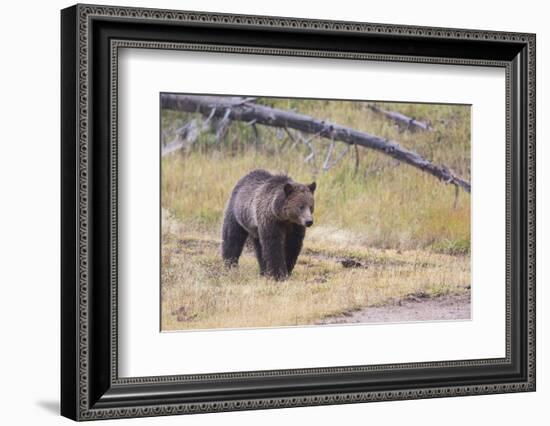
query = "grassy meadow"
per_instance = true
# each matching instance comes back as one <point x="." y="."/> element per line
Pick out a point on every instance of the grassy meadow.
<point x="403" y="232"/>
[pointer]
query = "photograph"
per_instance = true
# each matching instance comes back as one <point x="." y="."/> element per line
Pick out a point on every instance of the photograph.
<point x="279" y="212"/>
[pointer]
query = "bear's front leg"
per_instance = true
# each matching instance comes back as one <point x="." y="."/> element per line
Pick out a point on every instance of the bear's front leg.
<point x="273" y="253"/>
<point x="259" y="256"/>
<point x="293" y="245"/>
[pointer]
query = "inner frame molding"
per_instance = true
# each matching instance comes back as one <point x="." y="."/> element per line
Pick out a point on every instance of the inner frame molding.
<point x="91" y="37"/>
<point x="115" y="47"/>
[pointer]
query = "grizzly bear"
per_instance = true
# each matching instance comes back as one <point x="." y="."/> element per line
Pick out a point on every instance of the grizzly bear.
<point x="273" y="211"/>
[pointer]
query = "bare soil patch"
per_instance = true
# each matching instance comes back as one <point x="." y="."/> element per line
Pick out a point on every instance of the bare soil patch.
<point x="411" y="308"/>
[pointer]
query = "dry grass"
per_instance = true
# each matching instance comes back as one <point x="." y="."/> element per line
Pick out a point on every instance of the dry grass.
<point x="399" y="208"/>
<point x="199" y="293"/>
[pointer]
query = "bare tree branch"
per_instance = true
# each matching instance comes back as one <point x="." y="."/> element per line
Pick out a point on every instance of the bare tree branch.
<point x="185" y="137"/>
<point x="326" y="165"/>
<point x="402" y="120"/>
<point x="356" y="159"/>
<point x="247" y="111"/>
<point x="340" y="156"/>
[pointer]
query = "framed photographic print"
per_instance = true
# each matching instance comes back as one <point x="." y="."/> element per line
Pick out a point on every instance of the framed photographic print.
<point x="263" y="212"/>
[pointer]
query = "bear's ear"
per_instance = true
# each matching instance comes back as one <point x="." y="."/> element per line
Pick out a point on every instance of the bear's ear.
<point x="288" y="189"/>
<point x="312" y="187"/>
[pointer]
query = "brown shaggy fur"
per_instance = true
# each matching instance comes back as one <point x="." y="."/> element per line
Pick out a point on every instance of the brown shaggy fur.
<point x="273" y="211"/>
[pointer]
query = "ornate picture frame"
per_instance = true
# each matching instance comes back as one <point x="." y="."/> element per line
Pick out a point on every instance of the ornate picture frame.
<point x="91" y="37"/>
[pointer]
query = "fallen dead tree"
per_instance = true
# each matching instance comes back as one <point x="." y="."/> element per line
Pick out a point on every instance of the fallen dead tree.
<point x="185" y="136"/>
<point x="403" y="121"/>
<point x="245" y="110"/>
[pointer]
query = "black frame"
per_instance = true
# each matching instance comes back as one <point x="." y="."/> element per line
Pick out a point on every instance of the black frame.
<point x="90" y="386"/>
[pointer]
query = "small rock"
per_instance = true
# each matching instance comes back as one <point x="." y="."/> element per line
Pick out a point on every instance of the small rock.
<point x="318" y="280"/>
<point x="350" y="263"/>
<point x="182" y="314"/>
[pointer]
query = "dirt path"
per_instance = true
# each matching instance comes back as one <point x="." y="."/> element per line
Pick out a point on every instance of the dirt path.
<point x="411" y="309"/>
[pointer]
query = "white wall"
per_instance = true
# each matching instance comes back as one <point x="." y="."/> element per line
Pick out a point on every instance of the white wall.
<point x="29" y="225"/>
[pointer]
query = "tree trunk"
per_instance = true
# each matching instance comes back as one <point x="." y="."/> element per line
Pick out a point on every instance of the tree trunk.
<point x="402" y="120"/>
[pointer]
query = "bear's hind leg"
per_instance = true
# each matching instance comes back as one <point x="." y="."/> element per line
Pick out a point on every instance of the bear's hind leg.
<point x="233" y="238"/>
<point x="293" y="245"/>
<point x="259" y="256"/>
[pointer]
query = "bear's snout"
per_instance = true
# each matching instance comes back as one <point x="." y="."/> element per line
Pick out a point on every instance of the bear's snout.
<point x="309" y="223"/>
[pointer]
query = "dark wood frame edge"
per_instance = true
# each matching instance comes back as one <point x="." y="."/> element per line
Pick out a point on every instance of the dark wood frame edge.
<point x="89" y="389"/>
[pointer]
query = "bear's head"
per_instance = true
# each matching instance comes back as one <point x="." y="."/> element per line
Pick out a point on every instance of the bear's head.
<point x="298" y="204"/>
